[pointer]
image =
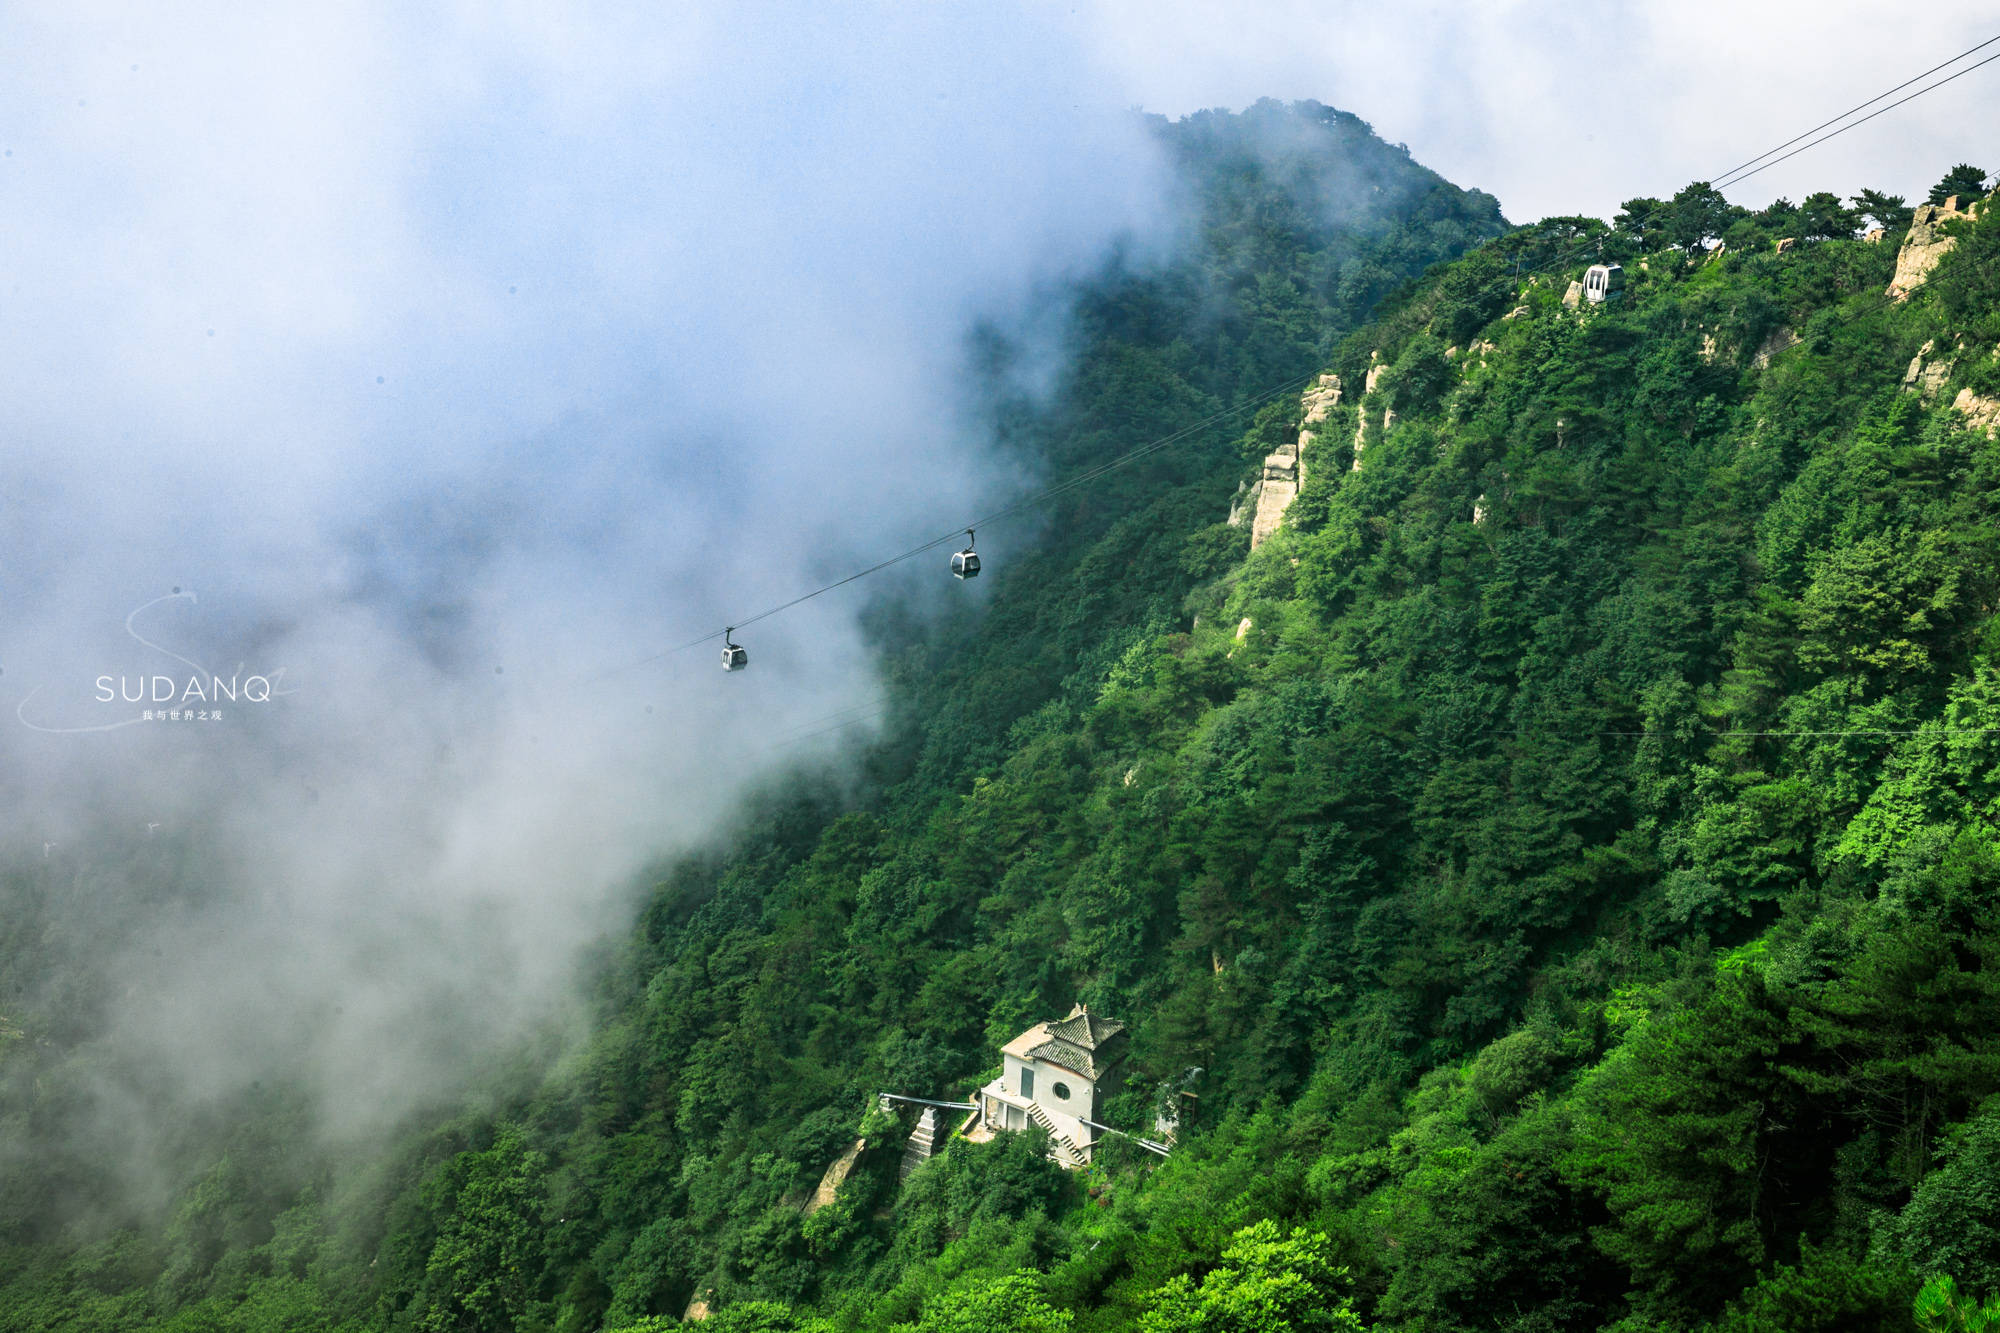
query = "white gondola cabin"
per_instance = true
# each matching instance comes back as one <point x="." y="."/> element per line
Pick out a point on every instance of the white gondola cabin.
<point x="1601" y="282"/>
<point x="734" y="658"/>
<point x="965" y="564"/>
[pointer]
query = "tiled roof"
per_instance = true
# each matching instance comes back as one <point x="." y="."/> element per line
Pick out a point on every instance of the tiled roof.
<point x="1085" y="1042"/>
<point x="1021" y="1047"/>
<point x="1086" y="1029"/>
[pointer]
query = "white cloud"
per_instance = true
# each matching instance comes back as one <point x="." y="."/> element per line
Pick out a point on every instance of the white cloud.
<point x="450" y="356"/>
<point x="1571" y="108"/>
<point x="449" y="360"/>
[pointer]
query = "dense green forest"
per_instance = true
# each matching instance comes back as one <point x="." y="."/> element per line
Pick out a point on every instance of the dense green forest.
<point x="1564" y="849"/>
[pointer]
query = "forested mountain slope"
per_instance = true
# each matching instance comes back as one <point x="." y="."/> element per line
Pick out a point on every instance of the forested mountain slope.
<point x="664" y="1159"/>
<point x="1565" y="848"/>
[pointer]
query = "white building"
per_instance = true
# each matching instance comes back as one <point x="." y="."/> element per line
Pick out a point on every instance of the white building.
<point x="1059" y="1076"/>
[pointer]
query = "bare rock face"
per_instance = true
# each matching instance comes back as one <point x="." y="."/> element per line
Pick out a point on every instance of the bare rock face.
<point x="1318" y="401"/>
<point x="1321" y="398"/>
<point x="1786" y="244"/>
<point x="1927" y="373"/>
<point x="1875" y="235"/>
<point x="1574" y="296"/>
<point x="1275" y="493"/>
<point x="837" y="1174"/>
<point x="1925" y="245"/>
<point x="1981" y="413"/>
<point x="1284" y="468"/>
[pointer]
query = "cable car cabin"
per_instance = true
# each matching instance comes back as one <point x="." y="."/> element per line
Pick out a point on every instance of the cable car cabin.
<point x="1601" y="282"/>
<point x="965" y="564"/>
<point x="733" y="656"/>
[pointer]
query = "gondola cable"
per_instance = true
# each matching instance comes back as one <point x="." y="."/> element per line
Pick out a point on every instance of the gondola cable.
<point x="734" y="654"/>
<point x="1034" y="500"/>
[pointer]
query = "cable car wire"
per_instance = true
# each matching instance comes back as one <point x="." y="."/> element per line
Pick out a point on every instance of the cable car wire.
<point x="1576" y="248"/>
<point x="1864" y="120"/>
<point x="1724" y="178"/>
<point x="1034" y="500"/>
<point x="1088" y="475"/>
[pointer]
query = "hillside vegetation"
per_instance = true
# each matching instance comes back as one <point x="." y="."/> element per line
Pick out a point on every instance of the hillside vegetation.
<point x="1565" y="849"/>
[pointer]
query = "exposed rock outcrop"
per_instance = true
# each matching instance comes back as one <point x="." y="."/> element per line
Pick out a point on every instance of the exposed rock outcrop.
<point x="1927" y="373"/>
<point x="1981" y="413"/>
<point x="836" y="1176"/>
<point x="1926" y="244"/>
<point x="1278" y="484"/>
<point x="1376" y="370"/>
<point x="1318" y="401"/>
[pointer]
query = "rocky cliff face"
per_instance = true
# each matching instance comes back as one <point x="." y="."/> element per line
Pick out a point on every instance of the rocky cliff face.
<point x="1926" y="244"/>
<point x="1375" y="372"/>
<point x="1277" y="486"/>
<point x="1928" y="371"/>
<point x="1981" y="413"/>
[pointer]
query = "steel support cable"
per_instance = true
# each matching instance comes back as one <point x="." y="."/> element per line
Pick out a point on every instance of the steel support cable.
<point x="1084" y="478"/>
<point x="1851" y="110"/>
<point x="1864" y="120"/>
<point x="1091" y="474"/>
<point x="1731" y="177"/>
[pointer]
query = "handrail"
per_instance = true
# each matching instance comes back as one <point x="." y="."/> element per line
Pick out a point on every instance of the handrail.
<point x="1148" y="1144"/>
<point x="925" y="1101"/>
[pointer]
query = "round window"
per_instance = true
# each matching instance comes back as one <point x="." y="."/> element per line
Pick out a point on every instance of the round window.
<point x="1062" y="1092"/>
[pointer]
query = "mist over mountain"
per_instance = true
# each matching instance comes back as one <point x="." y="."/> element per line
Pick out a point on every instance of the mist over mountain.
<point x="1471" y="748"/>
<point x="346" y="719"/>
<point x="441" y="394"/>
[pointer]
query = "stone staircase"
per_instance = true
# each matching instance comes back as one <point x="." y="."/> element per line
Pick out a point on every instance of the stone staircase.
<point x="1061" y="1147"/>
